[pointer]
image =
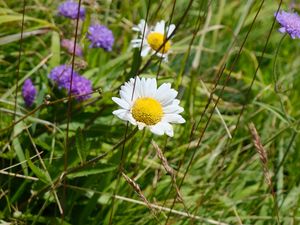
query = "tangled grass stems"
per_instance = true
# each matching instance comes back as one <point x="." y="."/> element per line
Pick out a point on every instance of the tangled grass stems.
<point x="210" y="176"/>
<point x="69" y="109"/>
<point x="247" y="97"/>
<point x="45" y="104"/>
<point x="217" y="101"/>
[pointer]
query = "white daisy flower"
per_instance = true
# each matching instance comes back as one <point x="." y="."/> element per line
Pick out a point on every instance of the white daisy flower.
<point x="153" y="39"/>
<point x="145" y="105"/>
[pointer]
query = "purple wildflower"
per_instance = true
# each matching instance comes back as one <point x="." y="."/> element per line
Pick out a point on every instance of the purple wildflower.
<point x="28" y="92"/>
<point x="69" y="46"/>
<point x="70" y="9"/>
<point x="81" y="86"/>
<point x="290" y="23"/>
<point x="100" y="37"/>
<point x="61" y="75"/>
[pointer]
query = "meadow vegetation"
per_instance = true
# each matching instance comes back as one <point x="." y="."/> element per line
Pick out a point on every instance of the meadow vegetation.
<point x="66" y="159"/>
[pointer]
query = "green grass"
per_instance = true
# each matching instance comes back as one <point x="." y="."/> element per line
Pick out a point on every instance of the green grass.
<point x="220" y="179"/>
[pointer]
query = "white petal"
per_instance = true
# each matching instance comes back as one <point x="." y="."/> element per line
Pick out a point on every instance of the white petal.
<point x="122" y="103"/>
<point x="169" y="129"/>
<point x="125" y="115"/>
<point x="147" y="86"/>
<point x="136" y="28"/>
<point x="121" y="113"/>
<point x="163" y="88"/>
<point x="172" y="109"/>
<point x="168" y="97"/>
<point x="126" y="90"/>
<point x="160" y="27"/>
<point x="136" y="43"/>
<point x="145" y="51"/>
<point x="131" y="119"/>
<point x="162" y="55"/>
<point x="126" y="96"/>
<point x="137" y="88"/>
<point x="132" y="86"/>
<point x="128" y="86"/>
<point x="141" y="125"/>
<point x="165" y="94"/>
<point x="143" y="87"/>
<point x="170" y="30"/>
<point x="140" y="26"/>
<point x="138" y="40"/>
<point x="165" y="58"/>
<point x="176" y="101"/>
<point x="151" y="87"/>
<point x="173" y="118"/>
<point x="158" y="128"/>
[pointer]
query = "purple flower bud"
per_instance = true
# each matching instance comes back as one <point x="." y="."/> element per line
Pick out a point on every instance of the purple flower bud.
<point x="290" y="23"/>
<point x="100" y="37"/>
<point x="61" y="76"/>
<point x="70" y="9"/>
<point x="28" y="92"/>
<point x="69" y="46"/>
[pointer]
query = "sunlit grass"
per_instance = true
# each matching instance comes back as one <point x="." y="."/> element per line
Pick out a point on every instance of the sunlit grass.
<point x="74" y="162"/>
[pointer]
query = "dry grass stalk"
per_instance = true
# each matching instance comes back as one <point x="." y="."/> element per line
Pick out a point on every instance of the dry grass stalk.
<point x="138" y="190"/>
<point x="261" y="152"/>
<point x="168" y="169"/>
<point x="264" y="161"/>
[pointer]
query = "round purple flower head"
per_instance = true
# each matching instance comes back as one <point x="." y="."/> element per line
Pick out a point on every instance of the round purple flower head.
<point x="70" y="9"/>
<point x="61" y="76"/>
<point x="69" y="46"/>
<point x="290" y="23"/>
<point x="100" y="37"/>
<point x="81" y="86"/>
<point x="28" y="92"/>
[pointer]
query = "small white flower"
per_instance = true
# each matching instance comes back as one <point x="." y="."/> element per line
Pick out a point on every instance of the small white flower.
<point x="153" y="39"/>
<point x="145" y="105"/>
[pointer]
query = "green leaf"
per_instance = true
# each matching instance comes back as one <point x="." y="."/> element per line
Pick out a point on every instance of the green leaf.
<point x="82" y="146"/>
<point x="17" y="146"/>
<point x="55" y="49"/>
<point x="10" y="91"/>
<point x="42" y="175"/>
<point x="18" y="17"/>
<point x="91" y="171"/>
<point x="15" y="37"/>
<point x="136" y="62"/>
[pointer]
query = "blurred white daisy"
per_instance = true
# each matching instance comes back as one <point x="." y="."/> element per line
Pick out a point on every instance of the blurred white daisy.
<point x="153" y="38"/>
<point x="145" y="105"/>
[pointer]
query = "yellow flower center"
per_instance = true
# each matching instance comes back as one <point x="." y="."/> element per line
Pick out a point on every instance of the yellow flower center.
<point x="147" y="110"/>
<point x="156" y="40"/>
